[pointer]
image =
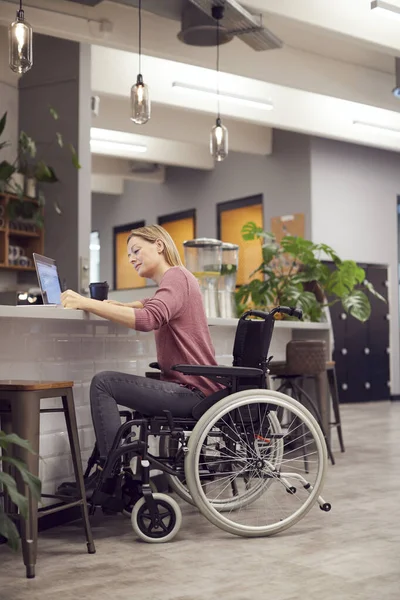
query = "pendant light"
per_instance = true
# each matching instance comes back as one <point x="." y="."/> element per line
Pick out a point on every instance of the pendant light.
<point x="20" y="43"/>
<point x="219" y="133"/>
<point x="140" y="99"/>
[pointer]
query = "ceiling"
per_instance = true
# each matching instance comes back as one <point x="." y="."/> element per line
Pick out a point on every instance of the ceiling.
<point x="336" y="69"/>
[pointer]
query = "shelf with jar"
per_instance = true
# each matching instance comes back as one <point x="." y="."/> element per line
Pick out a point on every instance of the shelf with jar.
<point x="21" y="234"/>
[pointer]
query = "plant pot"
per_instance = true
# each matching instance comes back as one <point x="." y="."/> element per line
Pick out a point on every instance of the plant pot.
<point x="16" y="183"/>
<point x="31" y="187"/>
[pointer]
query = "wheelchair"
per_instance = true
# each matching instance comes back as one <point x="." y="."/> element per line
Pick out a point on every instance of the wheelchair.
<point x="252" y="460"/>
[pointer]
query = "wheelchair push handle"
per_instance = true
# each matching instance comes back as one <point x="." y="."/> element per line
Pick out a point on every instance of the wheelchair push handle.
<point x="287" y="310"/>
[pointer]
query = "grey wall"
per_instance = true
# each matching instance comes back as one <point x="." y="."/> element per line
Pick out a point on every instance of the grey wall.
<point x="56" y="83"/>
<point x="8" y="104"/>
<point x="283" y="179"/>
<point x="354" y="209"/>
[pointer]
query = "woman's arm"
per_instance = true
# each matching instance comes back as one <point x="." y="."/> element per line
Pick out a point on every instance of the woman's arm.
<point x="135" y="304"/>
<point x="124" y="315"/>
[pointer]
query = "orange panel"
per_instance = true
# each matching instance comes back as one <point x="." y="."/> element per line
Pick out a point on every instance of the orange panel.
<point x="180" y="231"/>
<point x="126" y="276"/>
<point x="250" y="256"/>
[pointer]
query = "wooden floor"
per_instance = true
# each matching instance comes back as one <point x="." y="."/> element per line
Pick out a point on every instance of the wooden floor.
<point x="351" y="553"/>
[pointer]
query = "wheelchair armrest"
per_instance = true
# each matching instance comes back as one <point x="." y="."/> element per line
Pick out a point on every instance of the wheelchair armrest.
<point x="217" y="371"/>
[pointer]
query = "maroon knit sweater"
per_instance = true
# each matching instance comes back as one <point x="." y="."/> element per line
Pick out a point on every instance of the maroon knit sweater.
<point x="176" y="314"/>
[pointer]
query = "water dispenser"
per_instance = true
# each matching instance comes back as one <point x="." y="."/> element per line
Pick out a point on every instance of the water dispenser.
<point x="203" y="257"/>
<point x="227" y="281"/>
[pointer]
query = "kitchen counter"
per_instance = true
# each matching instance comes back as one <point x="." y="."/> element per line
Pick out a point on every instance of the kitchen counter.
<point x="45" y="342"/>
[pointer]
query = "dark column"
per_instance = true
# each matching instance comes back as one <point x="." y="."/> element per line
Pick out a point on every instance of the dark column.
<point x="60" y="78"/>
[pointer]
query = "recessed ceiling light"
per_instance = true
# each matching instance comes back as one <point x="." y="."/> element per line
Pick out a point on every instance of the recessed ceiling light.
<point x="116" y="148"/>
<point x="194" y="89"/>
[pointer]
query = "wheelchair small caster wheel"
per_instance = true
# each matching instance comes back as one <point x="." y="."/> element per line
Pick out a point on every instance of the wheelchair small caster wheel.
<point x="326" y="507"/>
<point x="170" y="516"/>
<point x="291" y="490"/>
<point x="127" y="510"/>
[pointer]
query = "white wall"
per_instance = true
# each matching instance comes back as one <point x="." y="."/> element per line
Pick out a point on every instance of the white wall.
<point x="354" y="209"/>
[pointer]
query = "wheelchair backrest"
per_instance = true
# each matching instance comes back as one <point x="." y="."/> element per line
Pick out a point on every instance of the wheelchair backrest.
<point x="252" y="340"/>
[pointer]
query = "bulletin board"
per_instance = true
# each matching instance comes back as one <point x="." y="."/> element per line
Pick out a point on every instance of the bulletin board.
<point x="288" y="225"/>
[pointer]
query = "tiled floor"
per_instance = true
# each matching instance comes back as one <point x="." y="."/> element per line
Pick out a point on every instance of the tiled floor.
<point x="351" y="553"/>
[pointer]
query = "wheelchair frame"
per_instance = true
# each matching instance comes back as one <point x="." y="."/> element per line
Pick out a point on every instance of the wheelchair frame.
<point x="260" y="456"/>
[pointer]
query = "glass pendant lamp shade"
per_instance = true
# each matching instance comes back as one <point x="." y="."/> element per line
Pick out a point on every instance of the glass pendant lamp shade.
<point x="219" y="141"/>
<point x="140" y="102"/>
<point x="20" y="44"/>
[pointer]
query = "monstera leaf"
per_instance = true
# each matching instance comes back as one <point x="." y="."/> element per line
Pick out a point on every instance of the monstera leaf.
<point x="7" y="527"/>
<point x="357" y="305"/>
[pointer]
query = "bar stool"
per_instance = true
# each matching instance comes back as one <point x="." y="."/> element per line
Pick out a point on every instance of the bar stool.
<point x="306" y="359"/>
<point x="333" y="390"/>
<point x="20" y="413"/>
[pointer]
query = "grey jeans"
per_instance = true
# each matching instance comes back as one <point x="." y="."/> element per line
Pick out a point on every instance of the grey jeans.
<point x="150" y="397"/>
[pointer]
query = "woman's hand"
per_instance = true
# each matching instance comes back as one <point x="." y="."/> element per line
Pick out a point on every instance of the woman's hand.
<point x="71" y="299"/>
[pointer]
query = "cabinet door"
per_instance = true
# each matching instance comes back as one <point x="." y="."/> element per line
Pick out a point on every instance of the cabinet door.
<point x="361" y="349"/>
<point x="378" y="334"/>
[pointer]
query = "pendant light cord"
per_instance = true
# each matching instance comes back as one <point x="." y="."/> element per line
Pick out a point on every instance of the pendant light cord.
<point x="140" y="36"/>
<point x="218" y="111"/>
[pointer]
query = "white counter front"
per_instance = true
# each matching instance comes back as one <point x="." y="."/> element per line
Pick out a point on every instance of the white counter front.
<point x="51" y="343"/>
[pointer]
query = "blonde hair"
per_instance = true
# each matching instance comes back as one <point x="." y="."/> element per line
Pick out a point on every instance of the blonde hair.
<point x="152" y="233"/>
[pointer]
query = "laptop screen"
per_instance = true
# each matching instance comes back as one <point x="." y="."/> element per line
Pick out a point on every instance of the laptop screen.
<point x="48" y="278"/>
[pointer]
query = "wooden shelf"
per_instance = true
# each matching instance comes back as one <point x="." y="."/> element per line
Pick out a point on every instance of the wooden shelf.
<point x="19" y="232"/>
<point x="28" y="241"/>
<point x="17" y="268"/>
<point x="15" y="197"/>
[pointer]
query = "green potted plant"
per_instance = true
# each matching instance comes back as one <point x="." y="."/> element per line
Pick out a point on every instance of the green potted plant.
<point x="294" y="273"/>
<point x="22" y="176"/>
<point x="7" y="527"/>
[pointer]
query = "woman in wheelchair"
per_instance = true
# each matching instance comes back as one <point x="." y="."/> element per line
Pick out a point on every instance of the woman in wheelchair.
<point x="233" y="463"/>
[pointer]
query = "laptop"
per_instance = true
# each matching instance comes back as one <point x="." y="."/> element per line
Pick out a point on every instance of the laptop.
<point x="49" y="280"/>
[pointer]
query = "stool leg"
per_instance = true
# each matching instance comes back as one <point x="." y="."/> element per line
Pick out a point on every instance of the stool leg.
<point x="295" y="394"/>
<point x="70" y="419"/>
<point x="25" y="418"/>
<point x="333" y="388"/>
<point x="6" y="425"/>
<point x="320" y="384"/>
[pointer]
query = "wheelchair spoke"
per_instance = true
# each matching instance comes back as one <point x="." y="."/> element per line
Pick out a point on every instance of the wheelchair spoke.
<point x="259" y="459"/>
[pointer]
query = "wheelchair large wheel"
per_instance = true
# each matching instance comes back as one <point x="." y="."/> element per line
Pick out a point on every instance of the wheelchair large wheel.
<point x="173" y="448"/>
<point x="269" y="449"/>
